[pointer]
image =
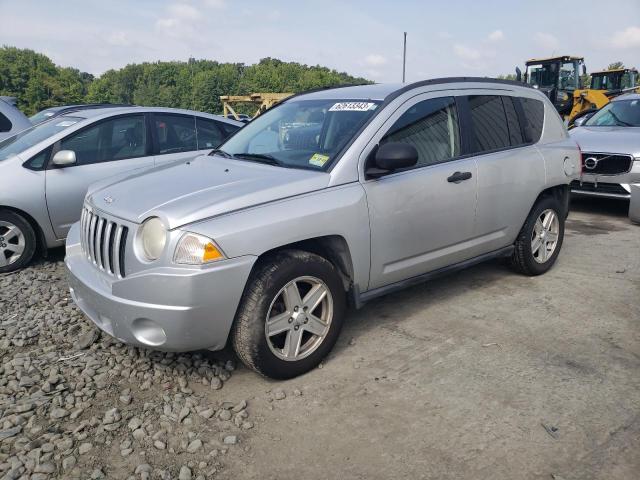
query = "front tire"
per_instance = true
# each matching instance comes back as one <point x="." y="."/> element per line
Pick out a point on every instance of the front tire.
<point x="290" y="315"/>
<point x="17" y="241"/>
<point x="539" y="242"/>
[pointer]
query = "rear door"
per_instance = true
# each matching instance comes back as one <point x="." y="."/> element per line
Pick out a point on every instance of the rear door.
<point x="422" y="218"/>
<point x="103" y="149"/>
<point x="510" y="168"/>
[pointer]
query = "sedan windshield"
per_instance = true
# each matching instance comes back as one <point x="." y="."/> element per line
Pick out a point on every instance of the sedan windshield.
<point x="28" y="138"/>
<point x="623" y="113"/>
<point x="300" y="134"/>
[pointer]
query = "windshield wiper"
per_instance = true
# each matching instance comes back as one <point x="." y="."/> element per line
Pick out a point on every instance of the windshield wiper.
<point x="222" y="153"/>
<point x="260" y="157"/>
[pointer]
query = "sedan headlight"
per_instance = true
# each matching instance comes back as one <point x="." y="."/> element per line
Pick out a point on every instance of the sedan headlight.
<point x="194" y="249"/>
<point x="152" y="238"/>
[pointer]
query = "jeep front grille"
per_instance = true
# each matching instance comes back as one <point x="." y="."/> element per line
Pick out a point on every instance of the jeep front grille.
<point x="606" y="163"/>
<point x="103" y="242"/>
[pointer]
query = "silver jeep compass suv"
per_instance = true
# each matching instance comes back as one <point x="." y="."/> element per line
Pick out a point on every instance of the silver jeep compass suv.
<point x="331" y="198"/>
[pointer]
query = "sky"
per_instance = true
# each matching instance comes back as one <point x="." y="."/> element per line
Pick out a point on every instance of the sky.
<point x="363" y="38"/>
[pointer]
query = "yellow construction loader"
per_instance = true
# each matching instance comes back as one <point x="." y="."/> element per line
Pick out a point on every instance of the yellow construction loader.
<point x="604" y="86"/>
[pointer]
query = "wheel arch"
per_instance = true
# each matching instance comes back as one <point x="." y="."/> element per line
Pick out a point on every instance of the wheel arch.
<point x="333" y="248"/>
<point x="559" y="192"/>
<point x="41" y="241"/>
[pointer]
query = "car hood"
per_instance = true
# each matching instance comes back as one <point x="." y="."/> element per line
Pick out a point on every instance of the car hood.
<point x="624" y="140"/>
<point x="199" y="189"/>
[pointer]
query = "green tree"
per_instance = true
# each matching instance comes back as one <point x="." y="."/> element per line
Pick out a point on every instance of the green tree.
<point x="195" y="84"/>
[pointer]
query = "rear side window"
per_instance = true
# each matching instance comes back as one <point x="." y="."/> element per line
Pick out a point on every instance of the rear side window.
<point x="175" y="133"/>
<point x="431" y="126"/>
<point x="228" y="128"/>
<point x="5" y="124"/>
<point x="513" y="123"/>
<point x="533" y="118"/>
<point x="209" y="134"/>
<point x="490" y="128"/>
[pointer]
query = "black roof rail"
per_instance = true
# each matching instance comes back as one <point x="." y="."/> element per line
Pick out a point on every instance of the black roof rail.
<point x="444" y="80"/>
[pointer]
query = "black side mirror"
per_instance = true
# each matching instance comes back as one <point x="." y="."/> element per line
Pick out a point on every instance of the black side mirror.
<point x="518" y="74"/>
<point x="390" y="157"/>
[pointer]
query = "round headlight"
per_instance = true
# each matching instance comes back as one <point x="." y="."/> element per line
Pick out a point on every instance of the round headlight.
<point x="153" y="238"/>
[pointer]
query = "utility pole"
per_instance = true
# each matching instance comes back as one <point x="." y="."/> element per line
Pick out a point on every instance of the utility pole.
<point x="404" y="58"/>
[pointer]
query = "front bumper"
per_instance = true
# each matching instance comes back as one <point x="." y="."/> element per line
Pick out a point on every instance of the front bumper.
<point x="608" y="186"/>
<point x="176" y="308"/>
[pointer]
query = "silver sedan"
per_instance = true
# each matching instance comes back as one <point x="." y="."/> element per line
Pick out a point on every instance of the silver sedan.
<point x="45" y="170"/>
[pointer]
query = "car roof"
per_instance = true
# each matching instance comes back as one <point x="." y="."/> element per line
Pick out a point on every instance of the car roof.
<point x="387" y="91"/>
<point x="627" y="96"/>
<point x="115" y="110"/>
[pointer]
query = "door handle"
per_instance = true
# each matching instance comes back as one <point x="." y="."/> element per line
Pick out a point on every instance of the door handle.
<point x="458" y="177"/>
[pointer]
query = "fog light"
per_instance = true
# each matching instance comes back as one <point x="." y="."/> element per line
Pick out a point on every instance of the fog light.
<point x="148" y="332"/>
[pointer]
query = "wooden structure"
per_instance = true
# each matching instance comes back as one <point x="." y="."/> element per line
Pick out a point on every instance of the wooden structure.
<point x="263" y="101"/>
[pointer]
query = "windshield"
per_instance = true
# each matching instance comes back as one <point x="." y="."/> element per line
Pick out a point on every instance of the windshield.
<point x="28" y="138"/>
<point x="623" y="113"/>
<point x="542" y="75"/>
<point x="301" y="134"/>
<point x="547" y="75"/>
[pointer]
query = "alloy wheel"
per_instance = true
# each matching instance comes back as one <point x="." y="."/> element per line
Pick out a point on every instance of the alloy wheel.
<point x="12" y="243"/>
<point x="544" y="239"/>
<point x="299" y="318"/>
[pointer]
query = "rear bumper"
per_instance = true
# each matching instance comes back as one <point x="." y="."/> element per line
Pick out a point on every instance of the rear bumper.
<point x="165" y="308"/>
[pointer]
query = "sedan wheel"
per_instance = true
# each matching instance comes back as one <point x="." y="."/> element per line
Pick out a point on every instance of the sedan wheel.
<point x="299" y="318"/>
<point x="12" y="243"/>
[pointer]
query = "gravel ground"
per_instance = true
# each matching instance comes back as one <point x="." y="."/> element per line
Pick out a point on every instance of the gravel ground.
<point x="77" y="404"/>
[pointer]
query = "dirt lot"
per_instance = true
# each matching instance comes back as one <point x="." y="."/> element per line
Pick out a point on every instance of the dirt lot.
<point x="483" y="374"/>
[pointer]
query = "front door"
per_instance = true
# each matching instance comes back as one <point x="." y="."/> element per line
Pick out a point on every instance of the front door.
<point x="102" y="150"/>
<point x="422" y="218"/>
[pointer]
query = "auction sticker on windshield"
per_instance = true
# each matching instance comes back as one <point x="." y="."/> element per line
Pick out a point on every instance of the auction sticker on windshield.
<point x="318" y="159"/>
<point x="66" y="123"/>
<point x="352" y="107"/>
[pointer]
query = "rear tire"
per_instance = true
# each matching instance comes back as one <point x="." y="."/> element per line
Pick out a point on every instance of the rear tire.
<point x="290" y="314"/>
<point x="17" y="241"/>
<point x="540" y="240"/>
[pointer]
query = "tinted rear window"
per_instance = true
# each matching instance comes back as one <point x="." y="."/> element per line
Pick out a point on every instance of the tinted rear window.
<point x="5" y="124"/>
<point x="515" y="132"/>
<point x="490" y="129"/>
<point x="533" y="118"/>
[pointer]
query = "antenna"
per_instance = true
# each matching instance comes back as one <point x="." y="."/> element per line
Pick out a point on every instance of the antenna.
<point x="404" y="58"/>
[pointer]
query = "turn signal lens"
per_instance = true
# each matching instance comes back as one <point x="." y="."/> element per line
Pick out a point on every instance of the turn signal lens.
<point x="194" y="249"/>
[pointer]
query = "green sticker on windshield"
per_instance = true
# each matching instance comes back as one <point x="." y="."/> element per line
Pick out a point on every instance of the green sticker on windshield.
<point x="318" y="159"/>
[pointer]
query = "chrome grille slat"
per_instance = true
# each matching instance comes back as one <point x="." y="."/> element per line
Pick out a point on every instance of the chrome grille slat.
<point x="92" y="234"/>
<point x="103" y="242"/>
<point x="116" y="250"/>
<point x="105" y="247"/>
<point x="98" y="246"/>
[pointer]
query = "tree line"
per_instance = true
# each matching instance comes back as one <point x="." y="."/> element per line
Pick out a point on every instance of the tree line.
<point x="38" y="83"/>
